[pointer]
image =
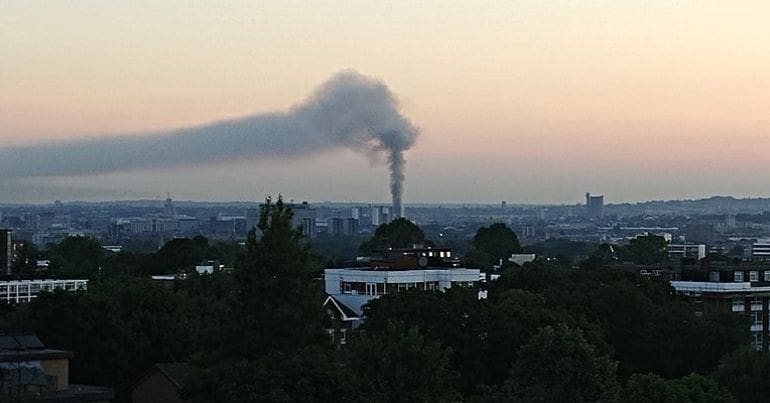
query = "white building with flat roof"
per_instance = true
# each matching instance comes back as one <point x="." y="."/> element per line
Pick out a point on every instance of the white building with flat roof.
<point x="22" y="291"/>
<point x="366" y="283"/>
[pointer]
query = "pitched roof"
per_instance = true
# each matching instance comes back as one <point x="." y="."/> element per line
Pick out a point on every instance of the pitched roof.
<point x="176" y="372"/>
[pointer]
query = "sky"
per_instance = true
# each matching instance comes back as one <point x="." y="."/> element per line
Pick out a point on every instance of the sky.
<point x="523" y="101"/>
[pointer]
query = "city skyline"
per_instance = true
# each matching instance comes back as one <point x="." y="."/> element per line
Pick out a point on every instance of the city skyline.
<point x="524" y="102"/>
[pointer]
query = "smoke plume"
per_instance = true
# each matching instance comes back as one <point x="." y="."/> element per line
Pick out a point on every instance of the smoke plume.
<point x="349" y="110"/>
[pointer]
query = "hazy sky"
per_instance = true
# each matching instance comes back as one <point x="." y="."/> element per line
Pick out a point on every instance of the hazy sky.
<point x="524" y="101"/>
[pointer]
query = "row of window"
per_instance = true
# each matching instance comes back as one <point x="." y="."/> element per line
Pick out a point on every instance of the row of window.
<point x="739" y="277"/>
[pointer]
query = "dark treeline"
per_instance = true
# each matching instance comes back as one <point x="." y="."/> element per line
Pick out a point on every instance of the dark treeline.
<point x="548" y="332"/>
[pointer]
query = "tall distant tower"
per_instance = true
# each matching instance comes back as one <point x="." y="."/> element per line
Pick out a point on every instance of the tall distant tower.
<point x="168" y="207"/>
<point x="594" y="205"/>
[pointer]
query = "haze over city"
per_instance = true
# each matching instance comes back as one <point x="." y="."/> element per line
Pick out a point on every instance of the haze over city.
<point x="530" y="102"/>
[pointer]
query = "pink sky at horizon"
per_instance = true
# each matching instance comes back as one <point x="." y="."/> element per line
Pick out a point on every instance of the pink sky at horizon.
<point x="517" y="101"/>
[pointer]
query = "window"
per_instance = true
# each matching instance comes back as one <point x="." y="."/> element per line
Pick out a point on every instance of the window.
<point x="343" y="336"/>
<point x="738" y="305"/>
<point x="767" y="275"/>
<point x="753" y="276"/>
<point x="738" y="276"/>
<point x="756" y="318"/>
<point x="714" y="276"/>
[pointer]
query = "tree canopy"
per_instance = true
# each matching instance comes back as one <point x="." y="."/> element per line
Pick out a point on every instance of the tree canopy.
<point x="491" y="245"/>
<point x="399" y="233"/>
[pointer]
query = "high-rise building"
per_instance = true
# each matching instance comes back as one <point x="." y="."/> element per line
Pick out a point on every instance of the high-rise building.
<point x="376" y="216"/>
<point x="594" y="205"/>
<point x="6" y="251"/>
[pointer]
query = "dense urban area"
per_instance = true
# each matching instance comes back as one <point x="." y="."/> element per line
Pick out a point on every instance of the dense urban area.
<point x="662" y="301"/>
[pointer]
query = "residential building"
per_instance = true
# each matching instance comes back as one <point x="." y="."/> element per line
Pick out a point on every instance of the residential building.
<point x="162" y="383"/>
<point x="30" y="372"/>
<point x="22" y="291"/>
<point x="397" y="270"/>
<point x="697" y="251"/>
<point x="760" y="250"/>
<point x="742" y="289"/>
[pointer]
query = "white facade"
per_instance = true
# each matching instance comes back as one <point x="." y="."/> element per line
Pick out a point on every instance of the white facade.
<point x="21" y="291"/>
<point x="761" y="249"/>
<point x="521" y="258"/>
<point x="369" y="284"/>
<point x="692" y="250"/>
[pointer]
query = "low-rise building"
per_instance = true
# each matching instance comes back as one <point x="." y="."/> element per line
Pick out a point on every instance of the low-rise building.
<point x="22" y="291"/>
<point x="739" y="288"/>
<point x="697" y="251"/>
<point x="30" y="372"/>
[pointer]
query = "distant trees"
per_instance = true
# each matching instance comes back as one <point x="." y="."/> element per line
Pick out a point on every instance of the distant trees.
<point x="399" y="233"/>
<point x="24" y="265"/>
<point x="76" y="257"/>
<point x="648" y="249"/>
<point x="491" y="244"/>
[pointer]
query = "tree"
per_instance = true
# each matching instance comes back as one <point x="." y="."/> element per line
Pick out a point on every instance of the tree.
<point x="491" y="244"/>
<point x="559" y="365"/>
<point x="76" y="257"/>
<point x="648" y="249"/>
<point x="274" y="341"/>
<point x="399" y="233"/>
<point x="24" y="265"/>
<point x="693" y="388"/>
<point x="746" y="373"/>
<point x="397" y="365"/>
<point x="180" y="254"/>
<point x="277" y="302"/>
<point x="497" y="240"/>
<point x="116" y="330"/>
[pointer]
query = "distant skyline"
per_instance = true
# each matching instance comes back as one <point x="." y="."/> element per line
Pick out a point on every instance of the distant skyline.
<point x="528" y="102"/>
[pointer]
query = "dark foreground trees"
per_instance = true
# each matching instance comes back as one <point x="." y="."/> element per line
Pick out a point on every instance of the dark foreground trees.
<point x="547" y="333"/>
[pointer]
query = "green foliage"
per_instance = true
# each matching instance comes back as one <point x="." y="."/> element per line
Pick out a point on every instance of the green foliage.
<point x="305" y="375"/>
<point x="648" y="249"/>
<point x="745" y="373"/>
<point x="564" y="250"/>
<point x="335" y="249"/>
<point x="693" y="388"/>
<point x="397" y="365"/>
<point x="24" y="265"/>
<point x="76" y="257"/>
<point x="117" y="329"/>
<point x="399" y="233"/>
<point x="649" y="327"/>
<point x="559" y="365"/>
<point x="180" y="254"/>
<point x="273" y="334"/>
<point x="490" y="245"/>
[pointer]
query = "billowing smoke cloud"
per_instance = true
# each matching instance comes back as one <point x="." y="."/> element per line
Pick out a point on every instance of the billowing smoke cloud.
<point x="349" y="110"/>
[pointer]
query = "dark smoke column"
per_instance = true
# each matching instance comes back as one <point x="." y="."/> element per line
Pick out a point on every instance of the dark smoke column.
<point x="349" y="110"/>
<point x="397" y="177"/>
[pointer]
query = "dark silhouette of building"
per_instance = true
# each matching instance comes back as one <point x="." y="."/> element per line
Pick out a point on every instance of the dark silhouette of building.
<point x="594" y="205"/>
<point x="699" y="233"/>
<point x="6" y="252"/>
